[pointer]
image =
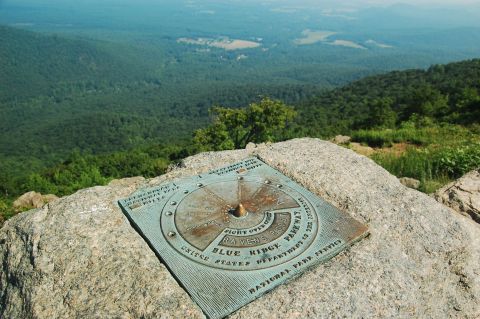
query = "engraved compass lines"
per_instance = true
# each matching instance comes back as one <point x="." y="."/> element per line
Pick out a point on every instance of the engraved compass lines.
<point x="201" y="224"/>
<point x="246" y="222"/>
<point x="269" y="198"/>
<point x="205" y="213"/>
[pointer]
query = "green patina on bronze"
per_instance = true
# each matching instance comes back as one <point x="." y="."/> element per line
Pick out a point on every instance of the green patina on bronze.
<point x="233" y="234"/>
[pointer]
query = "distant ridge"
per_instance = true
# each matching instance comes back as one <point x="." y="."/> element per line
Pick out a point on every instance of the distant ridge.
<point x="33" y="64"/>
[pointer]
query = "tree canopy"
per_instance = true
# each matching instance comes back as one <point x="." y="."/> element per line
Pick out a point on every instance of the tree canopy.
<point x="235" y="128"/>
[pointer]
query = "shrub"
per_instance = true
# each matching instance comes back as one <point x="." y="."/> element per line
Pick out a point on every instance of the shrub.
<point x="413" y="163"/>
<point x="410" y="133"/>
<point x="6" y="210"/>
<point x="433" y="165"/>
<point x="458" y="161"/>
<point x="382" y="138"/>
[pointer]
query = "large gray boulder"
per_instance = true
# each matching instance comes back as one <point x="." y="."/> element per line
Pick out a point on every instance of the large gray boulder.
<point x="463" y="195"/>
<point x="79" y="257"/>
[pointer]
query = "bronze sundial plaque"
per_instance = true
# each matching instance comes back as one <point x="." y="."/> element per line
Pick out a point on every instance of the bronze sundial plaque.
<point x="233" y="234"/>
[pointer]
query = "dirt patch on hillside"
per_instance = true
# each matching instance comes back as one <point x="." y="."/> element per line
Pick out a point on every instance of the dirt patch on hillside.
<point x="362" y="149"/>
<point x="396" y="149"/>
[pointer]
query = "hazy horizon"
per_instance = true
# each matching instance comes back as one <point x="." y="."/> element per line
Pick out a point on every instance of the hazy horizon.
<point x="278" y="2"/>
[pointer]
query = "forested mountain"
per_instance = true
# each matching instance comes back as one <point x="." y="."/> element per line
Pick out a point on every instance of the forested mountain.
<point x="33" y="64"/>
<point x="60" y="94"/>
<point x="100" y="123"/>
<point x="94" y="92"/>
<point x="445" y="93"/>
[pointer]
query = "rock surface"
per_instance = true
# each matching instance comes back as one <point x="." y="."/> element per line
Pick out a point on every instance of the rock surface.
<point x="32" y="200"/>
<point x="79" y="256"/>
<point x="463" y="195"/>
<point x="410" y="182"/>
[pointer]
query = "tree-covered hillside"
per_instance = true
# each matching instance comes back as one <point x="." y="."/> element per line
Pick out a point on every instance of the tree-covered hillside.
<point x="59" y="94"/>
<point x="33" y="64"/>
<point x="446" y="93"/>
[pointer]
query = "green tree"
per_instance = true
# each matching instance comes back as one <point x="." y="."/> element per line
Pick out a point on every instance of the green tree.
<point x="215" y="137"/>
<point x="427" y="101"/>
<point x="235" y="128"/>
<point x="467" y="106"/>
<point x="39" y="183"/>
<point x="382" y="114"/>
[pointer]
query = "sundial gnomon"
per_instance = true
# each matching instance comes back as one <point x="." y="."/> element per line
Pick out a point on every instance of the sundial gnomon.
<point x="235" y="233"/>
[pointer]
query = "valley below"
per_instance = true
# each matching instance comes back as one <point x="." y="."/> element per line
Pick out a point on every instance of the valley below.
<point x="85" y="100"/>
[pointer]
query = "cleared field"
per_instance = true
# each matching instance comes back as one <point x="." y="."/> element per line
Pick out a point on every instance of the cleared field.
<point x="222" y="43"/>
<point x="378" y="44"/>
<point x="311" y="37"/>
<point x="284" y="10"/>
<point x="234" y="44"/>
<point x="346" y="43"/>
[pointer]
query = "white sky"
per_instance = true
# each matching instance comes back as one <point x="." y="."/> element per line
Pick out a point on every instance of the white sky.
<point x="359" y="2"/>
<point x="364" y="3"/>
<point x="423" y="2"/>
<point x="293" y="3"/>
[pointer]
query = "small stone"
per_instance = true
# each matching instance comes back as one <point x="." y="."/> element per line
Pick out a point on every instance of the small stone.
<point x="250" y="146"/>
<point x="410" y="182"/>
<point x="341" y="139"/>
<point x="32" y="200"/>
